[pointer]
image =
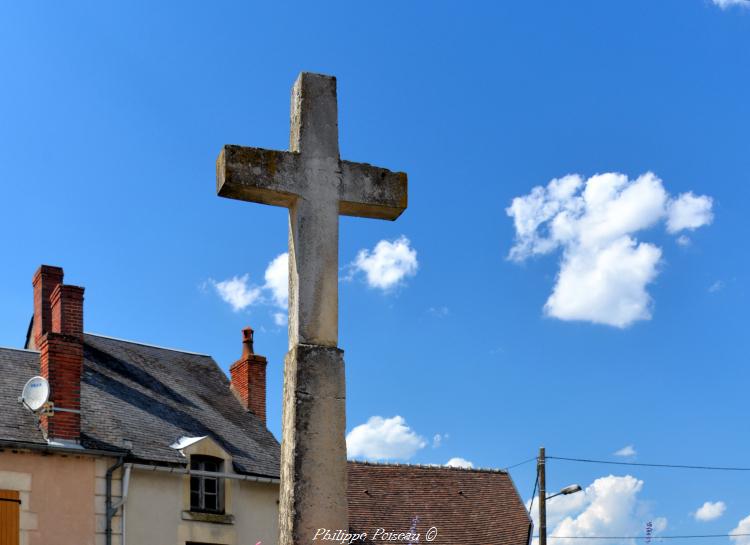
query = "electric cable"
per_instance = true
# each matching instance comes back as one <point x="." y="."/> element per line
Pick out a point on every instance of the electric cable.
<point x="670" y="466"/>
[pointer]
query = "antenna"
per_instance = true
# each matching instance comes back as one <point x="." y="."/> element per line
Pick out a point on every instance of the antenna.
<point x="35" y="393"/>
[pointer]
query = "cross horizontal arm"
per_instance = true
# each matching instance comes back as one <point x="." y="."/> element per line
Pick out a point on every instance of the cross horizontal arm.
<point x="258" y="175"/>
<point x="371" y="192"/>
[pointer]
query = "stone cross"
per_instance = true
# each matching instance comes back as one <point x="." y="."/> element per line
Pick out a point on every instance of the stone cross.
<point x="316" y="186"/>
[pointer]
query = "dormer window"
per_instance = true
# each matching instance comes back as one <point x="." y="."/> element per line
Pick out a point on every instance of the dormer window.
<point x="206" y="492"/>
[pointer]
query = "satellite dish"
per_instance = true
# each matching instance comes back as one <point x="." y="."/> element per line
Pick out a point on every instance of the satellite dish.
<point x="35" y="393"/>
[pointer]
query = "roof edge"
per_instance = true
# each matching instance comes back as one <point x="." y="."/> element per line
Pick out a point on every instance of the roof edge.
<point x="52" y="449"/>
<point x="147" y="344"/>
<point x="145" y="461"/>
<point x="432" y="466"/>
<point x="19" y="349"/>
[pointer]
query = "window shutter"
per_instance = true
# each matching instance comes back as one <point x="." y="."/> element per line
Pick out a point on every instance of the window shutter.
<point x="10" y="516"/>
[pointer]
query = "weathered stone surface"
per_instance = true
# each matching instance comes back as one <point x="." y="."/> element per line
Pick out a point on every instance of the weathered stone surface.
<point x="372" y="192"/>
<point x="316" y="186"/>
<point x="313" y="448"/>
<point x="276" y="178"/>
<point x="314" y="127"/>
<point x="258" y="175"/>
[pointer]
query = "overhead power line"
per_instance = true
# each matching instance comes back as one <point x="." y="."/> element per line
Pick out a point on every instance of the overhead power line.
<point x="536" y="482"/>
<point x="521" y="463"/>
<point x="671" y="466"/>
<point x="652" y="537"/>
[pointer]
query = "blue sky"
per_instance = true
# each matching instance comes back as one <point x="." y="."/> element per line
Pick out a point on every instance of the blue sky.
<point x="112" y="118"/>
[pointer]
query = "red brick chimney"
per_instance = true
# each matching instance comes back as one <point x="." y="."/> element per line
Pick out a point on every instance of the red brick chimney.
<point x="249" y="377"/>
<point x="45" y="280"/>
<point x="58" y="335"/>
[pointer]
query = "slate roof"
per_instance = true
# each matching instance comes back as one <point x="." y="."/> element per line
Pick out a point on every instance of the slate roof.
<point x="141" y="399"/>
<point x="466" y="506"/>
<point x="17" y="423"/>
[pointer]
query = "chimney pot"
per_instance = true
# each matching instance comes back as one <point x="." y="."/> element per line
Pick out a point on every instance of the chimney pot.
<point x="45" y="280"/>
<point x="249" y="377"/>
<point x="247" y="341"/>
<point x="67" y="310"/>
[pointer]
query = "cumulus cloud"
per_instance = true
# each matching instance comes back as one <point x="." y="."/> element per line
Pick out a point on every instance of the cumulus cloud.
<point x="604" y="270"/>
<point x="240" y="293"/>
<point x="710" y="511"/>
<point x="237" y="291"/>
<point x="609" y="506"/>
<point x="742" y="528"/>
<point x="277" y="280"/>
<point x="689" y="212"/>
<point x="459" y="462"/>
<point x="388" y="264"/>
<point x="626" y="451"/>
<point x="383" y="439"/>
<point x="724" y="4"/>
<point x="607" y="285"/>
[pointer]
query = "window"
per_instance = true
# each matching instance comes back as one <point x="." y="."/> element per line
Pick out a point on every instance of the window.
<point x="206" y="493"/>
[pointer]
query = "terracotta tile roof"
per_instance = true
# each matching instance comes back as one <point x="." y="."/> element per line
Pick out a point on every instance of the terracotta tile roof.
<point x="466" y="506"/>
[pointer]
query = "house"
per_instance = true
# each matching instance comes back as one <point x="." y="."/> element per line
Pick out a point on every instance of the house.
<point x="129" y="422"/>
<point x="148" y="445"/>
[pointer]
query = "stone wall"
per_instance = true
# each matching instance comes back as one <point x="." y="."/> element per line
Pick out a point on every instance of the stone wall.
<point x="57" y="496"/>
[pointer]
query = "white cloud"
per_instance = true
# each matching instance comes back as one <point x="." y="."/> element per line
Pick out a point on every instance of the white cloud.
<point x="716" y="286"/>
<point x="710" y="511"/>
<point x="626" y="451"/>
<point x="742" y="528"/>
<point x="439" y="312"/>
<point x="237" y="292"/>
<point x="609" y="506"/>
<point x="459" y="462"/>
<point x="437" y="440"/>
<point x="277" y="280"/>
<point x="240" y="293"/>
<point x="604" y="270"/>
<point x="382" y="439"/>
<point x="689" y="212"/>
<point x="607" y="285"/>
<point x="724" y="4"/>
<point x="388" y="264"/>
<point x="684" y="240"/>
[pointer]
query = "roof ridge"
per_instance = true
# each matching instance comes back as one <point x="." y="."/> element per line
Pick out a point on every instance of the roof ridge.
<point x="431" y="466"/>
<point x="19" y="349"/>
<point x="147" y="344"/>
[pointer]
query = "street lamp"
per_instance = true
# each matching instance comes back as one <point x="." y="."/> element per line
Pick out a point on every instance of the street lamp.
<point x="571" y="489"/>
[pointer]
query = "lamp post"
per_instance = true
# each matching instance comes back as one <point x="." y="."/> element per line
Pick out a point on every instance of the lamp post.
<point x="541" y="472"/>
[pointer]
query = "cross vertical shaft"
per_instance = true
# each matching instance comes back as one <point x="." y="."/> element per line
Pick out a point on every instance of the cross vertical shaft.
<point x="313" y="455"/>
<point x="314" y="216"/>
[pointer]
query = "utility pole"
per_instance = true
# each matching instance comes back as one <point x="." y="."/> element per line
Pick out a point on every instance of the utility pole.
<point x="542" y="498"/>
